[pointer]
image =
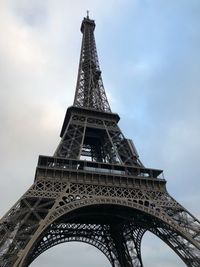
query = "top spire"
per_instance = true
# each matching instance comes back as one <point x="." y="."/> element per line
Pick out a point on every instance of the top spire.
<point x="90" y="92"/>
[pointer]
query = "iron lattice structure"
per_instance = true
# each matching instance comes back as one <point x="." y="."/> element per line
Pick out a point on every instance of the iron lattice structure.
<point x="95" y="189"/>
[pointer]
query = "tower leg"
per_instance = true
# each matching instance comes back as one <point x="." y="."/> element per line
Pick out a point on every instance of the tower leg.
<point x="127" y="245"/>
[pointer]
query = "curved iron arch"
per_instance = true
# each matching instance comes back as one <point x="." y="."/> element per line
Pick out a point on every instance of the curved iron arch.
<point x="161" y="215"/>
<point x="74" y="205"/>
<point x="89" y="241"/>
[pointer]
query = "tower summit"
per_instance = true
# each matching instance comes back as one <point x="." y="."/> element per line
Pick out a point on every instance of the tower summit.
<point x="94" y="189"/>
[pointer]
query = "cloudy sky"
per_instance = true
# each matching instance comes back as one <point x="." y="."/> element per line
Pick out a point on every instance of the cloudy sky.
<point x="149" y="54"/>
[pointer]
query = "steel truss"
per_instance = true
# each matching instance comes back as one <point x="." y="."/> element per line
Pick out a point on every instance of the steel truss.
<point x="59" y="210"/>
<point x="98" y="138"/>
<point x="90" y="91"/>
<point x="101" y="236"/>
<point x="95" y="189"/>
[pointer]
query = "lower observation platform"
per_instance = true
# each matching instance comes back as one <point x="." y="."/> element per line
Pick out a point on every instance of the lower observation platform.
<point x="66" y="168"/>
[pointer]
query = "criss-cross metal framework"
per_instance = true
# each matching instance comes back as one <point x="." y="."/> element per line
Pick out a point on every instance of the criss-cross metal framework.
<point x="90" y="91"/>
<point x="95" y="189"/>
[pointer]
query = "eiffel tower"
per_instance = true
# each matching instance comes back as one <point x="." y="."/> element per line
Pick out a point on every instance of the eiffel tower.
<point x="95" y="189"/>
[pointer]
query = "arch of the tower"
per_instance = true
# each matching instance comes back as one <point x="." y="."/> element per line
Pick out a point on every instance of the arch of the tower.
<point x="93" y="220"/>
<point x="49" y="241"/>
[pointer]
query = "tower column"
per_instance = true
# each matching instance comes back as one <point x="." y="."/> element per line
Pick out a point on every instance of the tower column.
<point x="127" y="246"/>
